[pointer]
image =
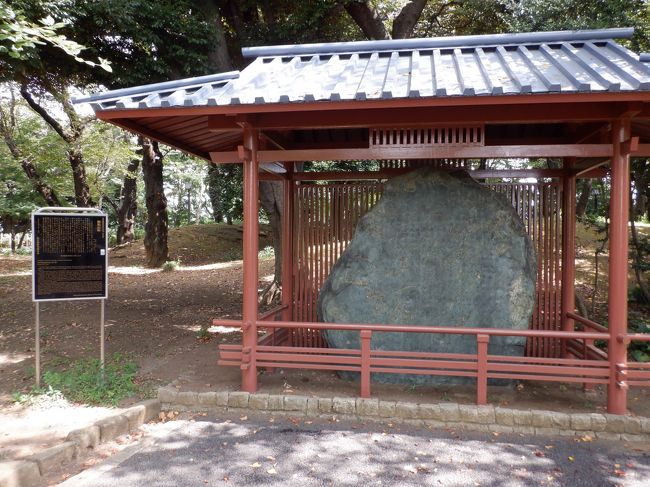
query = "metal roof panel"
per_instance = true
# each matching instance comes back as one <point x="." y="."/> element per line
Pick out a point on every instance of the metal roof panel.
<point x="440" y="67"/>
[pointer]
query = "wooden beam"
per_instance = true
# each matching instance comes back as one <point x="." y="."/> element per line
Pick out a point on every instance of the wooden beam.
<point x="228" y="157"/>
<point x="389" y="173"/>
<point x="544" y="99"/>
<point x="164" y="139"/>
<point x="439" y="152"/>
<point x="428" y="117"/>
<point x="643" y="150"/>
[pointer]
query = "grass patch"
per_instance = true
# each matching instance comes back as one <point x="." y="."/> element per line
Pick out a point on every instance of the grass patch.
<point x="83" y="381"/>
<point x="171" y="265"/>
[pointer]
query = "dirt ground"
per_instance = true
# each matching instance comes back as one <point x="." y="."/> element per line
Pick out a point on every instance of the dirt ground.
<point x="154" y="316"/>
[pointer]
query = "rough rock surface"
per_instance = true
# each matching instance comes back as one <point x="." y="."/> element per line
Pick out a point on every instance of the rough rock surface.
<point x="437" y="250"/>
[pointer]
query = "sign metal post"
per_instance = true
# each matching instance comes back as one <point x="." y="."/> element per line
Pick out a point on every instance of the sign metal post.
<point x="69" y="262"/>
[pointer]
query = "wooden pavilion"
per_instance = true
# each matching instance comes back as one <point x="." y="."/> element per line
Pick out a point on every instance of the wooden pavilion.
<point x="579" y="97"/>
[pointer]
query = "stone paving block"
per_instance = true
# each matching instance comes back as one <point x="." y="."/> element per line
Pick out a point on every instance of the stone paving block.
<point x="207" y="399"/>
<point x="387" y="409"/>
<point x="151" y="409"/>
<point x="276" y="402"/>
<point x="168" y="395"/>
<point x="406" y="410"/>
<point x="632" y="426"/>
<point x="21" y="473"/>
<point x="222" y="398"/>
<point x="449" y="412"/>
<point x="522" y="417"/>
<point x="606" y="435"/>
<point x="598" y="422"/>
<point x="187" y="398"/>
<point x="325" y="404"/>
<point x="504" y="416"/>
<point x="430" y="411"/>
<point x="615" y="423"/>
<point x="258" y="401"/>
<point x="295" y="403"/>
<point x="88" y="437"/>
<point x="434" y="424"/>
<point x="134" y="416"/>
<point x="238" y="399"/>
<point x="55" y="456"/>
<point x="344" y="405"/>
<point x="547" y="431"/>
<point x="468" y="413"/>
<point x="524" y="430"/>
<point x="485" y="414"/>
<point x="112" y="427"/>
<point x="500" y="428"/>
<point x="312" y="406"/>
<point x="367" y="407"/>
<point x="581" y="422"/>
<point x="645" y="425"/>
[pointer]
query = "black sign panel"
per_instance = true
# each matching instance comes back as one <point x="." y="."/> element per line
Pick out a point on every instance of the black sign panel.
<point x="69" y="256"/>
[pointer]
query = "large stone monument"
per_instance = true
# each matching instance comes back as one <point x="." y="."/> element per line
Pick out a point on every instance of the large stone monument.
<point x="437" y="250"/>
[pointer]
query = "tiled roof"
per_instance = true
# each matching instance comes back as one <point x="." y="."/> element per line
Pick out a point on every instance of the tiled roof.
<point x="542" y="62"/>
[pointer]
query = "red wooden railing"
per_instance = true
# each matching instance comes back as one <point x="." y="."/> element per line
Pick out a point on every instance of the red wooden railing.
<point x="481" y="365"/>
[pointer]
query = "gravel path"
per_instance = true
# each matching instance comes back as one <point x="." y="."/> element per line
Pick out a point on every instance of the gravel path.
<point x="229" y="450"/>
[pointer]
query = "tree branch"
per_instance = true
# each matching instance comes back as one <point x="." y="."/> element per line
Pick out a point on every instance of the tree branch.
<point x="51" y="121"/>
<point x="405" y="21"/>
<point x="367" y="19"/>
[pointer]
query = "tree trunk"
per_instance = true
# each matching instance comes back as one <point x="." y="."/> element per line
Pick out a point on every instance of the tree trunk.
<point x="22" y="239"/>
<point x="366" y="17"/>
<point x="583" y="200"/>
<point x="405" y="21"/>
<point x="128" y="209"/>
<point x="81" y="190"/>
<point x="638" y="260"/>
<point x="271" y="201"/>
<point x="155" y="230"/>
<point x="12" y="232"/>
<point x="213" y="193"/>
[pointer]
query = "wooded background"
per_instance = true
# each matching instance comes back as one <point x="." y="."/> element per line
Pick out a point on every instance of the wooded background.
<point x="56" y="155"/>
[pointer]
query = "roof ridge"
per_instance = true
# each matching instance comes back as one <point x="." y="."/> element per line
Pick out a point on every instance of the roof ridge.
<point x="438" y="42"/>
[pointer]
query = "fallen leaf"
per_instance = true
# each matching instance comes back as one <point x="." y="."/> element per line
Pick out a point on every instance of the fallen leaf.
<point x="243" y="418"/>
<point x="571" y="459"/>
<point x="256" y="465"/>
<point x="586" y="438"/>
<point x="272" y="459"/>
<point x="539" y="453"/>
<point x="272" y="471"/>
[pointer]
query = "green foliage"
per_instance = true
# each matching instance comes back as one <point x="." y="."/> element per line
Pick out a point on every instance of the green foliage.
<point x="171" y="265"/>
<point x="83" y="381"/>
<point x="266" y="253"/>
<point x="639" y="323"/>
<point x="20" y="38"/>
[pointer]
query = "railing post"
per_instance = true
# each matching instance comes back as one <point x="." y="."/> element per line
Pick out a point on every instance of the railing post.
<point x="366" y="336"/>
<point x="287" y="243"/>
<point x="618" y="263"/>
<point x="482" y="342"/>
<point x="251" y="244"/>
<point x="568" y="247"/>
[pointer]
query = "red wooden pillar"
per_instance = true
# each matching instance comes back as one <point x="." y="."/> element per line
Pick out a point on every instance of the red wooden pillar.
<point x="287" y="243"/>
<point x="568" y="247"/>
<point x="248" y="153"/>
<point x="618" y="260"/>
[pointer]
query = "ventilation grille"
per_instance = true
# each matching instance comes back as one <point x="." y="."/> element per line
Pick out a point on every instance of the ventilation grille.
<point x="415" y="163"/>
<point x="436" y="136"/>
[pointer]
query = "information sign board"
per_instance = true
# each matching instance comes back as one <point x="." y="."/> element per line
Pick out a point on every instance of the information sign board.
<point x="69" y="255"/>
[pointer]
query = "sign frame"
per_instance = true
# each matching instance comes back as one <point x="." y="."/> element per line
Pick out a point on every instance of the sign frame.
<point x="70" y="212"/>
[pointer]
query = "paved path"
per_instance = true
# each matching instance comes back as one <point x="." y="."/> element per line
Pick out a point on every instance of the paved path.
<point x="213" y="450"/>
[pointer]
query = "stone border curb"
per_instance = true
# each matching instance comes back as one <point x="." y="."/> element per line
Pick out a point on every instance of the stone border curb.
<point x="444" y="415"/>
<point x="30" y="471"/>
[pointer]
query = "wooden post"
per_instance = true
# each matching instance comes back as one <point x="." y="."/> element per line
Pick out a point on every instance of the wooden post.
<point x="251" y="244"/>
<point x="618" y="258"/>
<point x="287" y="243"/>
<point x="366" y="337"/>
<point x="568" y="248"/>
<point x="482" y="342"/>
